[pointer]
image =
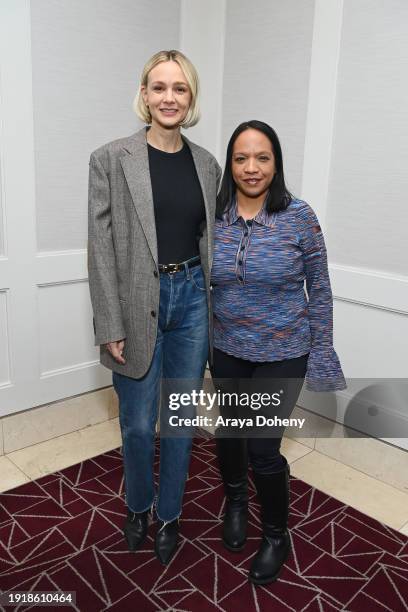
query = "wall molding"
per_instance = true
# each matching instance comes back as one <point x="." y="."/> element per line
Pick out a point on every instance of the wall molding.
<point x="3" y="229"/>
<point x="68" y="369"/>
<point x="53" y="267"/>
<point x="6" y="344"/>
<point x="70" y="281"/>
<point x="363" y="286"/>
<point x="371" y="288"/>
<point x="64" y="253"/>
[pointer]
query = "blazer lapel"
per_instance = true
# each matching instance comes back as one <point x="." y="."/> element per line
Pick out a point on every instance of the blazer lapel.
<point x="135" y="166"/>
<point x="136" y="169"/>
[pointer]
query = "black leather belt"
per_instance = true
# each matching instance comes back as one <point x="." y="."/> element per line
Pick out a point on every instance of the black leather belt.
<point x="178" y="267"/>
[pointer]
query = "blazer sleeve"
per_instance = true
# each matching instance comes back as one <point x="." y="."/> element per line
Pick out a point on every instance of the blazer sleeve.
<point x="324" y="371"/>
<point x="103" y="284"/>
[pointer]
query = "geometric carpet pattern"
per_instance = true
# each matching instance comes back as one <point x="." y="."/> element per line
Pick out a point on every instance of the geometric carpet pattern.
<point x="64" y="532"/>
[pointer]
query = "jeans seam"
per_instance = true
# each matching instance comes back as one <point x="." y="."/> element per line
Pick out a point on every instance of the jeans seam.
<point x="169" y="306"/>
<point x="195" y="284"/>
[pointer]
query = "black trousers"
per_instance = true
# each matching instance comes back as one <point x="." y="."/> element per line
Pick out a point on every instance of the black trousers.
<point x="232" y="374"/>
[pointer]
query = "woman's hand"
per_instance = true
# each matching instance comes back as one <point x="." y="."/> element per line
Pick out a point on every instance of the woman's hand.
<point x="116" y="350"/>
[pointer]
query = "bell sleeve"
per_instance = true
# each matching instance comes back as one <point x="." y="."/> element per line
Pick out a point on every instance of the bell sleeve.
<point x="324" y="372"/>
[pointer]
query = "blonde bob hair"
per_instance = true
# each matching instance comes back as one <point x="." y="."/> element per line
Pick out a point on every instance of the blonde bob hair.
<point x="193" y="114"/>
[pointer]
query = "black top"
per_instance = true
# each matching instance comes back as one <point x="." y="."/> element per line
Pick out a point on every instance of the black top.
<point x="178" y="204"/>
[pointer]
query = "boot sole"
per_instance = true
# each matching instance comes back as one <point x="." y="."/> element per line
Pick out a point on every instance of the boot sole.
<point x="269" y="579"/>
<point x="233" y="548"/>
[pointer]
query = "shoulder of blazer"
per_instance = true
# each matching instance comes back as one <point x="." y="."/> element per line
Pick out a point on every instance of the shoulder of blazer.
<point x="136" y="143"/>
<point x="128" y="144"/>
<point x="200" y="151"/>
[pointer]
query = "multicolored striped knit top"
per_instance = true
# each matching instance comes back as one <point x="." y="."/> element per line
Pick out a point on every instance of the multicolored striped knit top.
<point x="261" y="310"/>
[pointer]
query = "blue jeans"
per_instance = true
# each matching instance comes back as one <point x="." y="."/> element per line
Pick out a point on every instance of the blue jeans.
<point x="181" y="352"/>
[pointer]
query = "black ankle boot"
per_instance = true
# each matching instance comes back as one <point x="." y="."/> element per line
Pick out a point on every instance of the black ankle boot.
<point x="273" y="492"/>
<point x="233" y="465"/>
<point x="165" y="544"/>
<point x="135" y="528"/>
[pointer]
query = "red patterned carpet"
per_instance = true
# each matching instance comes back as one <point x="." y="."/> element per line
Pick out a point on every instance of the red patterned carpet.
<point x="63" y="532"/>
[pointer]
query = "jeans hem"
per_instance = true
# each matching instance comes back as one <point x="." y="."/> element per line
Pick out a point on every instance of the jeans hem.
<point x="149" y="507"/>
<point x="168" y="521"/>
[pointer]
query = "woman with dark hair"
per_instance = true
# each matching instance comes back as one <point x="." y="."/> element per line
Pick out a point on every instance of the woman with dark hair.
<point x="266" y="329"/>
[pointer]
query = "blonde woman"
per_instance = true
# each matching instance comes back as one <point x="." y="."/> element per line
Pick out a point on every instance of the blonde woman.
<point x="152" y="202"/>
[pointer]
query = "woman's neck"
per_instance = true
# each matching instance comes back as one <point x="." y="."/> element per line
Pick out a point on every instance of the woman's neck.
<point x="168" y="140"/>
<point x="248" y="207"/>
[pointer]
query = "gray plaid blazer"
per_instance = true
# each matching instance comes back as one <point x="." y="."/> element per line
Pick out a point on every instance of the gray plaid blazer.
<point x="122" y="247"/>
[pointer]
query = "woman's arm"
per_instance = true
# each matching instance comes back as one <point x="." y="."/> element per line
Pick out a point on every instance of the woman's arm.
<point x="324" y="371"/>
<point x="103" y="282"/>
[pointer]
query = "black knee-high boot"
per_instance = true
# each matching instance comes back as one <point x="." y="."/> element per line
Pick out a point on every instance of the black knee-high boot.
<point x="233" y="464"/>
<point x="273" y="493"/>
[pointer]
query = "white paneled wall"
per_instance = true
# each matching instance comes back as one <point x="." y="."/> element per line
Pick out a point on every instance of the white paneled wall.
<point x="69" y="72"/>
<point x="86" y="61"/>
<point x="372" y="341"/>
<point x="77" y="350"/>
<point x="327" y="74"/>
<point x="266" y="72"/>
<point x="367" y="208"/>
<point x="364" y="210"/>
